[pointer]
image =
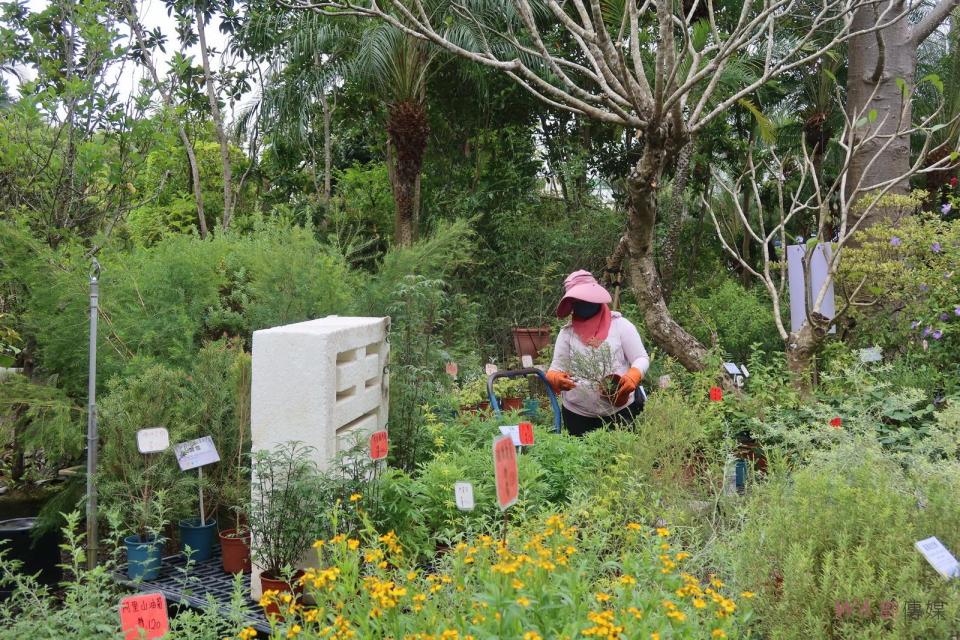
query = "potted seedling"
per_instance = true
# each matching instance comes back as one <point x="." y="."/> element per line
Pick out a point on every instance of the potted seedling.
<point x="235" y="541"/>
<point x="285" y="502"/>
<point x="473" y="396"/>
<point x="510" y="392"/>
<point x="148" y="515"/>
<point x="530" y="340"/>
<point x="594" y="367"/>
<point x="197" y="535"/>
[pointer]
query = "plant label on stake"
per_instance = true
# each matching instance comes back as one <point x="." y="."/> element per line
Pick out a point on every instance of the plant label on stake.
<point x="511" y="431"/>
<point x="379" y="445"/>
<point x="194" y="454"/>
<point x="152" y="440"/>
<point x="145" y="612"/>
<point x="505" y="472"/>
<point x="463" y="494"/>
<point x="716" y="394"/>
<point x="526" y="433"/>
<point x="452" y="369"/>
<point x="490" y="368"/>
<point x="526" y="361"/>
<point x="939" y="557"/>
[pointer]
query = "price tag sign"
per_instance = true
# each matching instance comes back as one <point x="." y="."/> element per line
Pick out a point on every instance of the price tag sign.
<point x="716" y="394"/>
<point x="196" y="453"/>
<point x="490" y="368"/>
<point x="379" y="445"/>
<point x="145" y="612"/>
<point x="463" y="494"/>
<point x="939" y="557"/>
<point x="452" y="369"/>
<point x="526" y="361"/>
<point x="505" y="472"/>
<point x="526" y="433"/>
<point x="152" y="440"/>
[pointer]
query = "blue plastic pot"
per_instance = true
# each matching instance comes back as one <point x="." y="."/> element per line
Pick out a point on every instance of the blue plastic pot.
<point x="199" y="538"/>
<point x="143" y="558"/>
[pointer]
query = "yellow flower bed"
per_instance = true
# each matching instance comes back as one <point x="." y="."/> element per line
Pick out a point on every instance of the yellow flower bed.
<point x="543" y="584"/>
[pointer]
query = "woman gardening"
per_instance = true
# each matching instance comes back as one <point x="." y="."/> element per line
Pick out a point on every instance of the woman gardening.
<point x="598" y="361"/>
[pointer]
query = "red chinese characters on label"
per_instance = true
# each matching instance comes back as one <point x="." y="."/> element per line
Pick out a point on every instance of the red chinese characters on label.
<point x="144" y="616"/>
<point x="505" y="471"/>
<point x="716" y="394"/>
<point x="379" y="445"/>
<point x="526" y="434"/>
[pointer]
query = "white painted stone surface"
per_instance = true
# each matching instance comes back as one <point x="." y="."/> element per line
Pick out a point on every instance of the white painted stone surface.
<point x="320" y="382"/>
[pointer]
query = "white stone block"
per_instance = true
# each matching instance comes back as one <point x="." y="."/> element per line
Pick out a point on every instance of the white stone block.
<point x="320" y="382"/>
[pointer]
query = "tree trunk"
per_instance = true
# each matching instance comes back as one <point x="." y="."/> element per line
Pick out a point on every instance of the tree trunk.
<point x="327" y="152"/>
<point x="407" y="131"/>
<point x="642" y="185"/>
<point x="877" y="61"/>
<point x="137" y="29"/>
<point x="801" y="348"/>
<point x="678" y="207"/>
<point x="217" y="121"/>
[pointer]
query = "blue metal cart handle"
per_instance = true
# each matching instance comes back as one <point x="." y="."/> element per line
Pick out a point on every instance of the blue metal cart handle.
<point x="516" y="373"/>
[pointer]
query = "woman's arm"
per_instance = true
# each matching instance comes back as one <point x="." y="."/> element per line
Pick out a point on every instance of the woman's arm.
<point x="633" y="348"/>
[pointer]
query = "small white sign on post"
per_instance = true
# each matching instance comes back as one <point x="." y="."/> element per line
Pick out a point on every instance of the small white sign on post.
<point x="490" y="368"/>
<point x="939" y="557"/>
<point x="871" y="354"/>
<point x="463" y="493"/>
<point x="196" y="453"/>
<point x="153" y="440"/>
<point x="512" y="430"/>
<point x="526" y="361"/>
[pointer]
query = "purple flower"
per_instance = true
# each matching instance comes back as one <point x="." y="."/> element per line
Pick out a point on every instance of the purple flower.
<point x="916" y="323"/>
<point x="943" y="317"/>
<point x="895" y="241"/>
<point x="945" y="209"/>
<point x="937" y="334"/>
<point x="956" y="311"/>
<point x="927" y="331"/>
<point x="923" y="287"/>
<point x="935" y="247"/>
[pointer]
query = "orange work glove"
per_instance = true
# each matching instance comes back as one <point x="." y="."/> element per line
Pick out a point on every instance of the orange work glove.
<point x="560" y="380"/>
<point x="628" y="384"/>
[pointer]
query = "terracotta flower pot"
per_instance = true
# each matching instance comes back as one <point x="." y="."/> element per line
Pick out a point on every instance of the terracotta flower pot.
<point x="235" y="550"/>
<point x="528" y="341"/>
<point x="268" y="583"/>
<point x="511" y="404"/>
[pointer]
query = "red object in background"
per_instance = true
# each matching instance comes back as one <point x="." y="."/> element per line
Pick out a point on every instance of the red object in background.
<point x="379" y="444"/>
<point x="526" y="434"/>
<point x="716" y="394"/>
<point x="505" y="472"/>
<point x="953" y="182"/>
<point x="145" y="612"/>
<point x="836" y="422"/>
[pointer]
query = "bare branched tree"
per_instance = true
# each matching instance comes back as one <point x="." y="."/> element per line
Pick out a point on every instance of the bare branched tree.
<point x="840" y="207"/>
<point x="665" y="70"/>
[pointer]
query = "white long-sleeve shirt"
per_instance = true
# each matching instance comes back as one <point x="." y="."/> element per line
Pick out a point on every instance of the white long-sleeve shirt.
<point x="627" y="351"/>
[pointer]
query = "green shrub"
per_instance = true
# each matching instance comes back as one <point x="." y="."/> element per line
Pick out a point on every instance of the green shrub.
<point x="841" y="530"/>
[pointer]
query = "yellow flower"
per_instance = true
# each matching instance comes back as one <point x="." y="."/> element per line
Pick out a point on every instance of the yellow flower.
<point x="636" y="613"/>
<point x="627" y="580"/>
<point x="747" y="594"/>
<point x="602" y="597"/>
<point x="353" y="544"/>
<point x="523" y="601"/>
<point x="532" y="635"/>
<point x="699" y="603"/>
<point x="663" y="532"/>
<point x="683" y="555"/>
<point x="318" y="544"/>
<point x="516" y="584"/>
<point x="355" y="497"/>
<point x="247" y="634"/>
<point x="679" y="616"/>
<point x="294" y="631"/>
<point x="633" y="526"/>
<point x="412" y="575"/>
<point x="654" y="636"/>
<point x="718" y="633"/>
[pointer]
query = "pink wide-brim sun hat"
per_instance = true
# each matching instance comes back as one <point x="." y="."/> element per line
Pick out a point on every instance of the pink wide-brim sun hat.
<point x="581" y="285"/>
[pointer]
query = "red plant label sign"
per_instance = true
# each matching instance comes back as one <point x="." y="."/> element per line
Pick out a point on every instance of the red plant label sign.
<point x="144" y="616"/>
<point x="452" y="369"/>
<point x="526" y="433"/>
<point x="716" y="394"/>
<point x="505" y="471"/>
<point x="836" y="422"/>
<point x="379" y="445"/>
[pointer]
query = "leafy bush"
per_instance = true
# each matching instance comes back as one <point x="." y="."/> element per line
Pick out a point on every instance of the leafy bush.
<point x="841" y="531"/>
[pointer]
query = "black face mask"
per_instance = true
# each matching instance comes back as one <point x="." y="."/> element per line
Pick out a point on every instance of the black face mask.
<point x="585" y="310"/>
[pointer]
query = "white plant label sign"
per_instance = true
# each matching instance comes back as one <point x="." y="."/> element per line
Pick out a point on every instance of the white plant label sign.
<point x="939" y="557"/>
<point x="526" y="361"/>
<point x="153" y="440"/>
<point x="871" y="354"/>
<point x="512" y="430"/>
<point x="196" y="453"/>
<point x="463" y="493"/>
<point x="490" y="369"/>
